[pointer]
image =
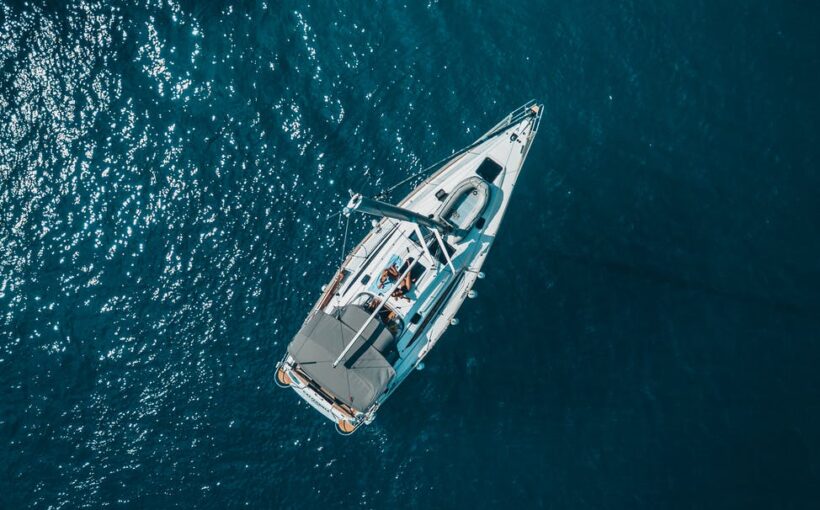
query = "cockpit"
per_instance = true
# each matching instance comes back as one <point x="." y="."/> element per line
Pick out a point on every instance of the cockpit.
<point x="387" y="315"/>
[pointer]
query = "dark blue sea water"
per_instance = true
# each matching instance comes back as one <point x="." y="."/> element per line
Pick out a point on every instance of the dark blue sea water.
<point x="648" y="334"/>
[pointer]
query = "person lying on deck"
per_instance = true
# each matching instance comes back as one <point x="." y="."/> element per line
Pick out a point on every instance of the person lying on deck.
<point x="406" y="282"/>
<point x="391" y="273"/>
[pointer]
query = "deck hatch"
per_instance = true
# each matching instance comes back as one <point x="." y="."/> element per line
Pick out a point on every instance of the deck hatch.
<point x="489" y="170"/>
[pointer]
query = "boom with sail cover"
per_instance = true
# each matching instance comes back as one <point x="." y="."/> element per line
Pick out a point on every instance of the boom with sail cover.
<point x="366" y="205"/>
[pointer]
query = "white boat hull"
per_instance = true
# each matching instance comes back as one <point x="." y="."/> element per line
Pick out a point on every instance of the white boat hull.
<point x="445" y="283"/>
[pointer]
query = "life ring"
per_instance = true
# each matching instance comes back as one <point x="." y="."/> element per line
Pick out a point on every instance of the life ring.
<point x="345" y="427"/>
<point x="282" y="378"/>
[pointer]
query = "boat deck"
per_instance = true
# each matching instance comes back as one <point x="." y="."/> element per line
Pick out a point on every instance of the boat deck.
<point x="400" y="250"/>
<point x="457" y="209"/>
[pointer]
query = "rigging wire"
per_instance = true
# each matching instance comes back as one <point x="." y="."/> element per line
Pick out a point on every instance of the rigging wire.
<point x="344" y="248"/>
<point x="344" y="241"/>
<point x="513" y="120"/>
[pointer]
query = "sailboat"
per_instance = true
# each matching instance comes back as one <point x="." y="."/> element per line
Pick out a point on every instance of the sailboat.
<point x="399" y="289"/>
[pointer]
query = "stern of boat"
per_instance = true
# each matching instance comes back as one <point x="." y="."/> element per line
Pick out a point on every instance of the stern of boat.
<point x="346" y="421"/>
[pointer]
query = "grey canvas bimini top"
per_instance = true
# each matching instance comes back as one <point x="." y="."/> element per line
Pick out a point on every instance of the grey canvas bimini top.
<point x="364" y="373"/>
